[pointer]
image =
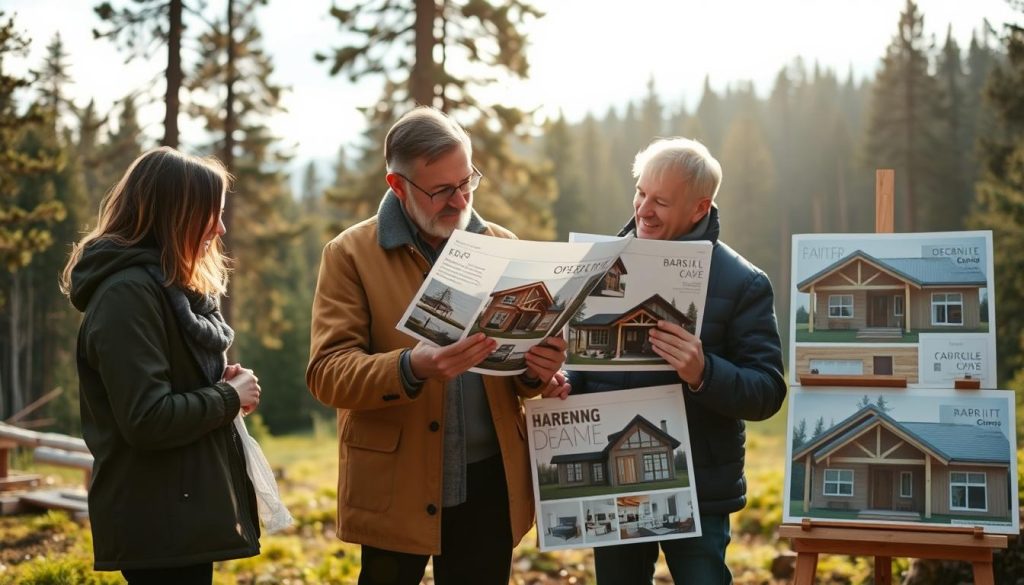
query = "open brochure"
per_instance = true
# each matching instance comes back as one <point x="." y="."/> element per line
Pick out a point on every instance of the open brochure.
<point x="612" y="468"/>
<point x="603" y="292"/>
<point x="651" y="280"/>
<point x="518" y="292"/>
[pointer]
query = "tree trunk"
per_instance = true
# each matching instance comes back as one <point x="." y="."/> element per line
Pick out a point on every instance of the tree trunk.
<point x="16" y="341"/>
<point x="26" y="390"/>
<point x="173" y="75"/>
<point x="421" y="79"/>
<point x="228" y="154"/>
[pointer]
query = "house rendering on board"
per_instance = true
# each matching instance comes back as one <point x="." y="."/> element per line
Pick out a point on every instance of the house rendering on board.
<point x="876" y="467"/>
<point x="616" y="335"/>
<point x="525" y="308"/>
<point x="640" y="453"/>
<point x="883" y="298"/>
<point x="611" y="285"/>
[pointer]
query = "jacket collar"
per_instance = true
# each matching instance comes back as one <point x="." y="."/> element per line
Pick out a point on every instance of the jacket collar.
<point x="396" y="229"/>
<point x="706" y="229"/>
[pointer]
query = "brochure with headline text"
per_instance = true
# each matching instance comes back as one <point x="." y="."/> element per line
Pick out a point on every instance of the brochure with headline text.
<point x="515" y="291"/>
<point x="612" y="468"/>
<point x="651" y="281"/>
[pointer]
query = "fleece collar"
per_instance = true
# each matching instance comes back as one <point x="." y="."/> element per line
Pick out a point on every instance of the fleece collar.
<point x="395" y="229"/>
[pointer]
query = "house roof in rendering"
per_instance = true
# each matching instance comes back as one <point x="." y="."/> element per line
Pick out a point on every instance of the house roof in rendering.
<point x="612" y="439"/>
<point x="920" y="272"/>
<point x="605" y="319"/>
<point x="618" y="263"/>
<point x="539" y="285"/>
<point x="945" y="441"/>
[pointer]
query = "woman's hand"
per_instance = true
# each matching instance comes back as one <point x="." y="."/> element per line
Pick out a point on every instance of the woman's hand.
<point x="246" y="384"/>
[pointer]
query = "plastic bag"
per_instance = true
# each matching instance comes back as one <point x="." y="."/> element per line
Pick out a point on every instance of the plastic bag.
<point x="273" y="514"/>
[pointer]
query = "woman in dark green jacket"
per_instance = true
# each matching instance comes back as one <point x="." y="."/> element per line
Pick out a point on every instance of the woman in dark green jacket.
<point x="169" y="492"/>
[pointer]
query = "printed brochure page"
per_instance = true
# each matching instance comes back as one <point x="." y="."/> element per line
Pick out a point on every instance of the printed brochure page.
<point x="518" y="292"/>
<point x="651" y="281"/>
<point x="612" y="468"/>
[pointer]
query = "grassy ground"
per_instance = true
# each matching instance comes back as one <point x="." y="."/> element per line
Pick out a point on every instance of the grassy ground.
<point x="52" y="550"/>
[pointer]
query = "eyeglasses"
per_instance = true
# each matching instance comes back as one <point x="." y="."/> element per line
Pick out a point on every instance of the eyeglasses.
<point x="469" y="185"/>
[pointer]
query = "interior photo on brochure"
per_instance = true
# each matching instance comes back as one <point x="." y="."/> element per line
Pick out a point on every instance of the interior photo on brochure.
<point x="651" y="281"/>
<point x="612" y="468"/>
<point x="517" y="292"/>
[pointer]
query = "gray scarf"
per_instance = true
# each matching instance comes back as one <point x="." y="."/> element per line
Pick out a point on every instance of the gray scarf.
<point x="207" y="335"/>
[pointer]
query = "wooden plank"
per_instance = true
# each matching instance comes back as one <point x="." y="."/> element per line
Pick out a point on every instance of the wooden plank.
<point x="36" y="439"/>
<point x="63" y="458"/>
<point x="55" y="500"/>
<point x="967" y="383"/>
<point x="888" y="536"/>
<point x="18" y="481"/>
<point x="873" y="381"/>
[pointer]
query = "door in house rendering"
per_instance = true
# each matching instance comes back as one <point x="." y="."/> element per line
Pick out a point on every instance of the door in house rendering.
<point x="879" y="316"/>
<point x="881" y="489"/>
<point x="627" y="469"/>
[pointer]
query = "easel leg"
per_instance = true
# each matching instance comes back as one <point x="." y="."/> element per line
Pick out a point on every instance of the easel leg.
<point x="806" y="566"/>
<point x="883" y="570"/>
<point x="983" y="573"/>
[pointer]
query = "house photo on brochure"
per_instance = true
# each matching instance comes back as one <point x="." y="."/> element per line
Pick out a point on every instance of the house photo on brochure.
<point x="651" y="281"/>
<point x="603" y="294"/>
<point x="612" y="468"/>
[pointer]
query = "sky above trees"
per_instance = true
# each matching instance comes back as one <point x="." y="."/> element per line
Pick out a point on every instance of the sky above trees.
<point x="584" y="56"/>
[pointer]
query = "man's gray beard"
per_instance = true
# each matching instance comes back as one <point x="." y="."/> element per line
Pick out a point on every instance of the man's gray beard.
<point x="425" y="224"/>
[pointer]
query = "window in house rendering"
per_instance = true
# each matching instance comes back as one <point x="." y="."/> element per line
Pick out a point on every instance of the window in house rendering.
<point x="508" y="300"/>
<point x="574" y="472"/>
<point x="840" y="306"/>
<point x="655" y="466"/>
<point x="497" y="319"/>
<point x="639" y="439"/>
<point x="968" y="491"/>
<point x="597" y="471"/>
<point x="599" y="337"/>
<point x="897" y="305"/>
<point x="947" y="309"/>
<point x="838" y="482"/>
<point x="906" y="484"/>
<point x="844" y="367"/>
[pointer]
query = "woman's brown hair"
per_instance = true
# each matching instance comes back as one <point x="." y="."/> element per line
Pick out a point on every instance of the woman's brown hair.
<point x="166" y="199"/>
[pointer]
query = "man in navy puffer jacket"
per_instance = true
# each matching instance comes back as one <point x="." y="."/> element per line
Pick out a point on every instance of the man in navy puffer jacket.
<point x="732" y="373"/>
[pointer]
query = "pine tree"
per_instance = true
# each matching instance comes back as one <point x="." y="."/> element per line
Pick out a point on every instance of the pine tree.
<point x="691" y="313"/>
<point x="819" y="428"/>
<point x="270" y="298"/>
<point x="749" y="215"/>
<point x="864" y="402"/>
<point x="568" y="209"/>
<point x="883" y="404"/>
<point x="137" y="30"/>
<point x="1000" y="198"/>
<point x="956" y="195"/>
<point x="904" y="115"/>
<point x="30" y="212"/>
<point x="439" y="54"/>
<point x="799" y="434"/>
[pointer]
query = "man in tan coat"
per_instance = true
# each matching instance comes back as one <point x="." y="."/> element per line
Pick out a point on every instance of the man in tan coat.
<point x="433" y="459"/>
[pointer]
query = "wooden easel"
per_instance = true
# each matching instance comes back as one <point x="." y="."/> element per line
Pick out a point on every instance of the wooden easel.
<point x="812" y="537"/>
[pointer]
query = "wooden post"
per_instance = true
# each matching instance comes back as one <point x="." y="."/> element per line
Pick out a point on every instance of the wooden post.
<point x="885" y="180"/>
